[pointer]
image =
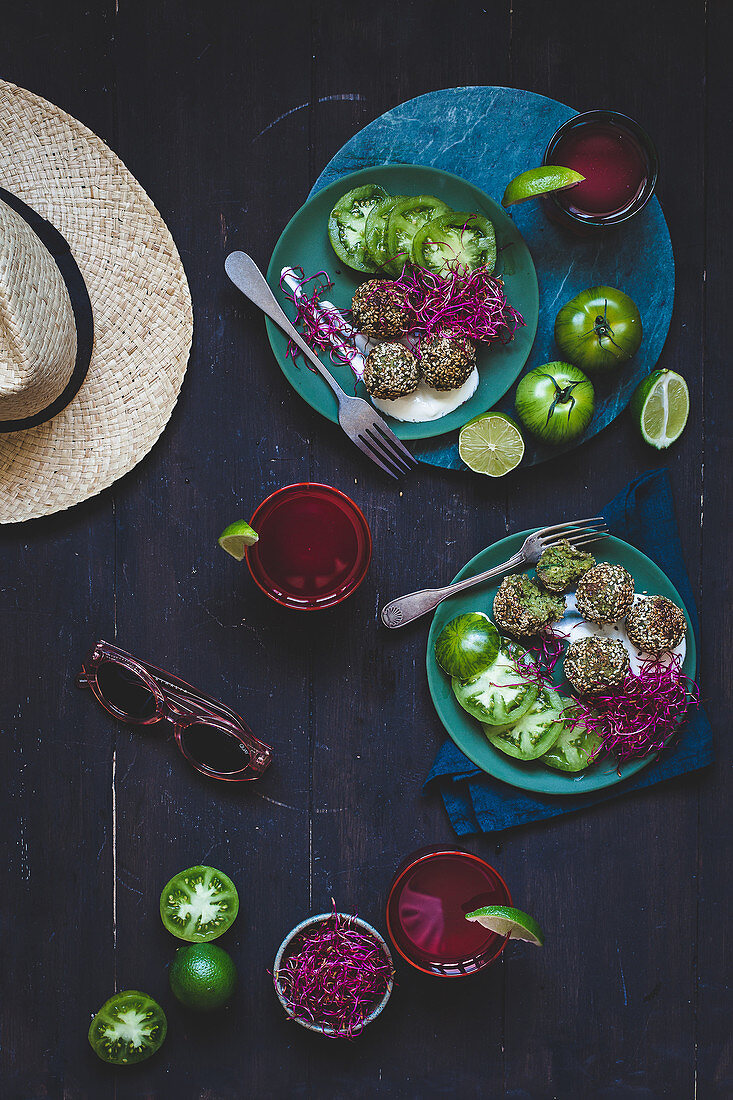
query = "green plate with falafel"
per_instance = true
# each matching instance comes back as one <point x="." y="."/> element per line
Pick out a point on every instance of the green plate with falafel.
<point x="305" y="243"/>
<point x="533" y="775"/>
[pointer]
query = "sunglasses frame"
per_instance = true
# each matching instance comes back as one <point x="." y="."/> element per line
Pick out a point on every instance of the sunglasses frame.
<point x="178" y="703"/>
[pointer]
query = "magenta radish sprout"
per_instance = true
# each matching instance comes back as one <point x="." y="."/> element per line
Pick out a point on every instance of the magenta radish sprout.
<point x="322" y="328"/>
<point x="466" y="303"/>
<point x="334" y="976"/>
<point x="644" y="713"/>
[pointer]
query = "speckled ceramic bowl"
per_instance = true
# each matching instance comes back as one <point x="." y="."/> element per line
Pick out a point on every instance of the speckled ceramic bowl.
<point x="284" y="950"/>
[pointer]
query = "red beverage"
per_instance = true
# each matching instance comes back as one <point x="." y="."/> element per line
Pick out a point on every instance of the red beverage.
<point x="314" y="547"/>
<point x="619" y="163"/>
<point x="427" y="906"/>
<point x="612" y="162"/>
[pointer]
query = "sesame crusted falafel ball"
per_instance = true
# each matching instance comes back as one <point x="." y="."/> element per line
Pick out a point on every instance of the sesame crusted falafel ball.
<point x="595" y="666"/>
<point x="391" y="371"/>
<point x="447" y="361"/>
<point x="521" y="609"/>
<point x="605" y="593"/>
<point x="655" y="625"/>
<point x="377" y="310"/>
<point x="561" y="565"/>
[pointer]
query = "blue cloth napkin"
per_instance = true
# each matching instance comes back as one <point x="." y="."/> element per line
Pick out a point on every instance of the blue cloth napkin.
<point x="643" y="515"/>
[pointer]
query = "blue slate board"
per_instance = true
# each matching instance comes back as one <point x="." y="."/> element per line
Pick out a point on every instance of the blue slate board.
<point x="488" y="136"/>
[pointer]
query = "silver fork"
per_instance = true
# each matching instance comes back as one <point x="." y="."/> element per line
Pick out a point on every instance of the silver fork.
<point x="580" y="532"/>
<point x="358" y="419"/>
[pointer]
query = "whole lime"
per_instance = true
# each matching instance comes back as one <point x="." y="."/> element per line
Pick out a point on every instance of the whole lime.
<point x="203" y="976"/>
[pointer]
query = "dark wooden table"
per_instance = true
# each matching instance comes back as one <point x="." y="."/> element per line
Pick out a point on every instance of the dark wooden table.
<point x="226" y="112"/>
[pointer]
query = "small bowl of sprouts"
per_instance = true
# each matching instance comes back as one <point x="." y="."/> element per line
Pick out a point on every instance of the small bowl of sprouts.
<point x="333" y="974"/>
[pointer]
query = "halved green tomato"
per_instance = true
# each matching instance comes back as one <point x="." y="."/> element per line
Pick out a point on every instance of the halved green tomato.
<point x="574" y="748"/>
<point x="375" y="233"/>
<point x="407" y="216"/>
<point x="534" y="733"/>
<point x="500" y="695"/>
<point x="128" y="1028"/>
<point x="199" y="904"/>
<point x="454" y="241"/>
<point x="347" y="223"/>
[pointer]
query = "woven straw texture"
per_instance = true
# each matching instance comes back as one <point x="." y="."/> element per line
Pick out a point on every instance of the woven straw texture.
<point x="37" y="333"/>
<point x="143" y="317"/>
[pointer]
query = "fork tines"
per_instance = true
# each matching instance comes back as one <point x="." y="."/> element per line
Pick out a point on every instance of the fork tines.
<point x="379" y="443"/>
<point x="578" y="532"/>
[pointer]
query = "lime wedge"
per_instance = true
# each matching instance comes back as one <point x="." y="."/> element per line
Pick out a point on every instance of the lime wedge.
<point x="660" y="405"/>
<point x="236" y="538"/>
<point x="539" y="181"/>
<point x="491" y="444"/>
<point x="506" y="921"/>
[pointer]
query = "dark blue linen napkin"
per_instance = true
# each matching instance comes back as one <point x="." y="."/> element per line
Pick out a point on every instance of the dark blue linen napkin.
<point x="643" y="515"/>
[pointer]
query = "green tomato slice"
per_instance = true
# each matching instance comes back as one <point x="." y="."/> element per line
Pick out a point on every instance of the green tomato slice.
<point x="407" y="216"/>
<point x="534" y="733"/>
<point x="347" y="224"/>
<point x="375" y="232"/>
<point x="128" y="1028"/>
<point x="199" y="904"/>
<point x="453" y="242"/>
<point x="574" y="749"/>
<point x="500" y="695"/>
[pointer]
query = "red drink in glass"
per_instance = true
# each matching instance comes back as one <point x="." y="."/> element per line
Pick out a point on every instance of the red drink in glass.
<point x="427" y="906"/>
<point x="619" y="163"/>
<point x="314" y="547"/>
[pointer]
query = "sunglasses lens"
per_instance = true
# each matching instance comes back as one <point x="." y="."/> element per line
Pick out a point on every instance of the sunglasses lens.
<point x="126" y="691"/>
<point x="214" y="748"/>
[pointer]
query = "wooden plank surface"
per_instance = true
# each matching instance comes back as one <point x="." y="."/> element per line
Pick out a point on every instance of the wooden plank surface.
<point x="226" y="113"/>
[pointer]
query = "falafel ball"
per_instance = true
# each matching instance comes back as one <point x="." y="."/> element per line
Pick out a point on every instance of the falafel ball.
<point x="521" y="609"/>
<point x="391" y="371"/>
<point x="447" y="361"/>
<point x="655" y="624"/>
<point x="561" y="565"/>
<point x="378" y="311"/>
<point x="595" y="666"/>
<point x="605" y="593"/>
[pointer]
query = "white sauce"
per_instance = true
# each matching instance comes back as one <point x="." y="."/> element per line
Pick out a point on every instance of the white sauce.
<point x="425" y="403"/>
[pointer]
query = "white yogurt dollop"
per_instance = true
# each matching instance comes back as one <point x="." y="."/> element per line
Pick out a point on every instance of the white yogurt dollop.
<point x="425" y="403"/>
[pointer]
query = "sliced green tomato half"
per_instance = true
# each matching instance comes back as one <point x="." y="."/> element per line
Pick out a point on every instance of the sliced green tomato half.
<point x="534" y="733"/>
<point x="347" y="225"/>
<point x="407" y="216"/>
<point x="128" y="1028"/>
<point x="574" y="749"/>
<point x="199" y="904"/>
<point x="455" y="241"/>
<point x="500" y="695"/>
<point x="375" y="233"/>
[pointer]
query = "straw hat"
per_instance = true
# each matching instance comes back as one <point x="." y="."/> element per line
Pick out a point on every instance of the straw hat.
<point x="115" y="398"/>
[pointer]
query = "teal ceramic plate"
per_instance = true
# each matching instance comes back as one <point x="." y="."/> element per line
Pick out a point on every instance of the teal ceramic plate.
<point x="304" y="243"/>
<point x="467" y="733"/>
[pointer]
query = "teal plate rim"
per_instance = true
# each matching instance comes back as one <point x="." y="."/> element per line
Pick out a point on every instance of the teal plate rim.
<point x="508" y="360"/>
<point x="466" y="733"/>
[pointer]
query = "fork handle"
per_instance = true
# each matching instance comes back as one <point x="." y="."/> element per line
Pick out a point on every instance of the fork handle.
<point x="405" y="609"/>
<point x="248" y="278"/>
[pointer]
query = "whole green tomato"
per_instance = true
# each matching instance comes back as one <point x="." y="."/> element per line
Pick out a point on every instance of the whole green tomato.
<point x="555" y="402"/>
<point x="599" y="329"/>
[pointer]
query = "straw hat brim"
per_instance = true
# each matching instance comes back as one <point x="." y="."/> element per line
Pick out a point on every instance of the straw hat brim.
<point x="143" y="317"/>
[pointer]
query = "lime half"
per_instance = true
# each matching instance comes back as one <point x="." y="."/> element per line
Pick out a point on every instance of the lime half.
<point x="539" y="181"/>
<point x="506" y="921"/>
<point x="236" y="538"/>
<point x="660" y="405"/>
<point x="491" y="444"/>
